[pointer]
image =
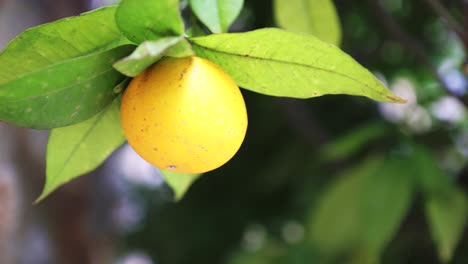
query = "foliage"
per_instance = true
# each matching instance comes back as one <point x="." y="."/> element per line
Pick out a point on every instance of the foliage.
<point x="89" y="144"/>
<point x="157" y="27"/>
<point x="359" y="189"/>
<point x="307" y="16"/>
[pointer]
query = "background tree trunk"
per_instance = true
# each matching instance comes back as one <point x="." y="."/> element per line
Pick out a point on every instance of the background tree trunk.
<point x="60" y="229"/>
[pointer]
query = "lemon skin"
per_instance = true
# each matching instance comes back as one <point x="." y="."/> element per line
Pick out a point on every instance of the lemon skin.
<point x="184" y="114"/>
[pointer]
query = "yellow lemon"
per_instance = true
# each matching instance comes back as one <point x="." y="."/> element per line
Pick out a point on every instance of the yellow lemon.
<point x="184" y="114"/>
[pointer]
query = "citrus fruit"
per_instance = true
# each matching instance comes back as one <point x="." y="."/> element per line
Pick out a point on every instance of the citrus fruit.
<point x="184" y="114"/>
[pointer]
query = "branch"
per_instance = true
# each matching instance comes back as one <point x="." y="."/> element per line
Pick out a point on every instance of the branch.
<point x="411" y="45"/>
<point x="465" y="23"/>
<point x="445" y="14"/>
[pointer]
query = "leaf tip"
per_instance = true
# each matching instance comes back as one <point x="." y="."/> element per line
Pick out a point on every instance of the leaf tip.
<point x="396" y="99"/>
<point x="178" y="182"/>
<point x="41" y="197"/>
<point x="177" y="196"/>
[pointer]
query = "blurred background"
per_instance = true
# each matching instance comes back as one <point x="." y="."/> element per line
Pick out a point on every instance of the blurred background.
<point x="334" y="179"/>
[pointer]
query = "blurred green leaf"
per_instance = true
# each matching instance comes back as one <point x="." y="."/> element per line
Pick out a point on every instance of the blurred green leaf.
<point x="316" y="17"/>
<point x="62" y="40"/>
<point x="78" y="149"/>
<point x="300" y="253"/>
<point x="250" y="258"/>
<point x="447" y="216"/>
<point x="63" y="93"/>
<point x="276" y="62"/>
<point x="144" y="56"/>
<point x="179" y="182"/>
<point x="350" y="143"/>
<point x="387" y="197"/>
<point x="142" y="20"/>
<point x="431" y="179"/>
<point x="217" y="15"/>
<point x="363" y="208"/>
<point x="361" y="256"/>
<point x="336" y="224"/>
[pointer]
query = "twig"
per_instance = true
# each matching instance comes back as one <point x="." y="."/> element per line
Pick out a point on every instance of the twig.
<point x="411" y="45"/>
<point x="444" y="13"/>
<point x="465" y="23"/>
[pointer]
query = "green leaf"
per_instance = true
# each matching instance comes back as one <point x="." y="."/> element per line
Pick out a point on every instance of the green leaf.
<point x="350" y="143"/>
<point x="387" y="197"/>
<point x="447" y="216"/>
<point x="363" y="209"/>
<point x="446" y="206"/>
<point x="180" y="49"/>
<point x="64" y="93"/>
<point x="42" y="46"/>
<point x="179" y="182"/>
<point x="363" y="256"/>
<point x="119" y="88"/>
<point x="142" y="20"/>
<point x="195" y="30"/>
<point x="316" y="17"/>
<point x="144" y="56"/>
<point x="431" y="179"/>
<point x="336" y="224"/>
<point x="280" y="63"/>
<point x="78" y="149"/>
<point x="217" y="15"/>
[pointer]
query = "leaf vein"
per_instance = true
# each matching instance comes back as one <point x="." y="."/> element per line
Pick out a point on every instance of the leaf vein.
<point x="245" y="56"/>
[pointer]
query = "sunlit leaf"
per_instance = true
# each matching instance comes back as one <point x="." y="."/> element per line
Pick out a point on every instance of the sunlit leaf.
<point x="316" y="17"/>
<point x="217" y="15"/>
<point x="142" y="20"/>
<point x="281" y="63"/>
<point x="78" y="149"/>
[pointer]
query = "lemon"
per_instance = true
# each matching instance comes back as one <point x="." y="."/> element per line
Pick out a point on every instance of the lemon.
<point x="184" y="114"/>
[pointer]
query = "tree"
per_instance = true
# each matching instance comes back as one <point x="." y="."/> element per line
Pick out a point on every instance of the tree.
<point x="382" y="166"/>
